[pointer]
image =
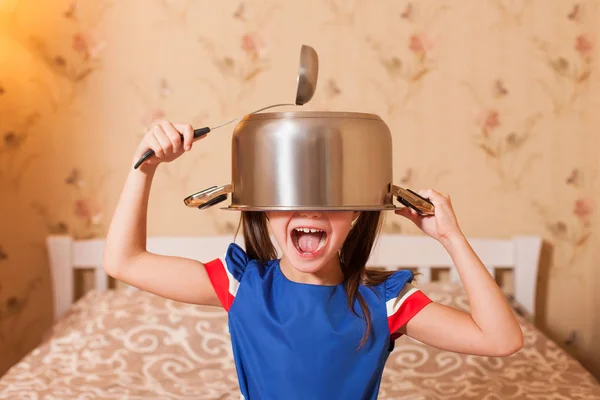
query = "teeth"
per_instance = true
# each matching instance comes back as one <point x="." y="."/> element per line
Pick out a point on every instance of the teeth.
<point x="308" y="230"/>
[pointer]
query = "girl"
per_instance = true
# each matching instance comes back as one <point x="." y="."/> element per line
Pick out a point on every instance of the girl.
<point x="314" y="324"/>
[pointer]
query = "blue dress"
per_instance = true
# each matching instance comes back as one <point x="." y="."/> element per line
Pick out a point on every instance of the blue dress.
<point x="301" y="341"/>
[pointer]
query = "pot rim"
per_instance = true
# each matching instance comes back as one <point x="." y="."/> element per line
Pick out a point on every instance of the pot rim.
<point x="214" y="195"/>
<point x="309" y="208"/>
<point x="311" y="114"/>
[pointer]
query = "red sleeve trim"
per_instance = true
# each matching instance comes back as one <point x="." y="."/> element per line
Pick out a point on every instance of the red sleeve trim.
<point x="407" y="310"/>
<point x="220" y="282"/>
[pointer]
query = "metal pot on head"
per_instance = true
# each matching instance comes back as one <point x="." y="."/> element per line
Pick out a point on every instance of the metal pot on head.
<point x="311" y="161"/>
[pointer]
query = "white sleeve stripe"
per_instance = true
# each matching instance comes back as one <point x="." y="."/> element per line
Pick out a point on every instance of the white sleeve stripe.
<point x="233" y="283"/>
<point x="393" y="305"/>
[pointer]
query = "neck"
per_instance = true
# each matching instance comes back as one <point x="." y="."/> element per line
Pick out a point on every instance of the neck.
<point x="328" y="275"/>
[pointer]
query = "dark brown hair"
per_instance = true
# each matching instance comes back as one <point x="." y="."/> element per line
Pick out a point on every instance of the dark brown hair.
<point x="354" y="254"/>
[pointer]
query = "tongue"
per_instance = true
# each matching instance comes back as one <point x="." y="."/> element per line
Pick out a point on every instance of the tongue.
<point x="309" y="242"/>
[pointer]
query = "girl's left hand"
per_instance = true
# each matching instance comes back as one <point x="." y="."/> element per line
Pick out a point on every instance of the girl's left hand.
<point x="443" y="225"/>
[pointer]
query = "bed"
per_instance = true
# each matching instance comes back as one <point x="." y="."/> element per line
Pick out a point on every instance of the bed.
<point x="128" y="344"/>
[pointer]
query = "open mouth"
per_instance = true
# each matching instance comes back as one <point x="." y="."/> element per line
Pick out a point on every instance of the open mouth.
<point x="308" y="241"/>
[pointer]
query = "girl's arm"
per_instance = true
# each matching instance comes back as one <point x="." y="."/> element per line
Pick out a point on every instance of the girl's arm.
<point x="125" y="254"/>
<point x="491" y="328"/>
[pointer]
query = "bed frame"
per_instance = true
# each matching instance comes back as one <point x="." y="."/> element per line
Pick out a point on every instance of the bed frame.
<point x="392" y="251"/>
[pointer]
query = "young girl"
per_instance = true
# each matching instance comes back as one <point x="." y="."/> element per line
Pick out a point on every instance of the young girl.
<point x="314" y="324"/>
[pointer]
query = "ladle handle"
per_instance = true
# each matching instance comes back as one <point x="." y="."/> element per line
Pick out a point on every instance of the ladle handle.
<point x="197" y="133"/>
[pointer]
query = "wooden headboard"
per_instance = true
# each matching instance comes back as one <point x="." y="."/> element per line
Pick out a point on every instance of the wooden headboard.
<point x="392" y="251"/>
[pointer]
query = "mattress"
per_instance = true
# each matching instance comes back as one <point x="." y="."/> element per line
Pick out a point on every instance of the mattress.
<point x="124" y="344"/>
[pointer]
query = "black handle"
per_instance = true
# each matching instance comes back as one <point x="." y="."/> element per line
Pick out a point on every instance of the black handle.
<point x="421" y="197"/>
<point x="407" y="203"/>
<point x="197" y="133"/>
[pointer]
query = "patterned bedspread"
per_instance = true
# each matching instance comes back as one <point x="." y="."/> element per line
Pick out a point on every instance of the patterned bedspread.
<point x="133" y="345"/>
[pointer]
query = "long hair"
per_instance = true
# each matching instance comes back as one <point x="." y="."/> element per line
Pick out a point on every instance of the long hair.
<point x="353" y="255"/>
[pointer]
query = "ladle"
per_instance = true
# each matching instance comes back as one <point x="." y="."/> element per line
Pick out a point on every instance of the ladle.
<point x="306" y="85"/>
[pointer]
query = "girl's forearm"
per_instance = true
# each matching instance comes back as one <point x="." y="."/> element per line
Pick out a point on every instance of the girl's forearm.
<point x="489" y="308"/>
<point x="126" y="238"/>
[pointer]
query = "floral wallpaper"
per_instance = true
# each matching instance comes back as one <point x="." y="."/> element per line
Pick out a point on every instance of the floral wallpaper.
<point x="494" y="102"/>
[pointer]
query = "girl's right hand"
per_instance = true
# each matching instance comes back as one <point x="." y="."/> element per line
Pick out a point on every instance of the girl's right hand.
<point x="165" y="140"/>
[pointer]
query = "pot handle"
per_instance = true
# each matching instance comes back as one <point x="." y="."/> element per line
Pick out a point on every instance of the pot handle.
<point x="411" y="199"/>
<point x="208" y="197"/>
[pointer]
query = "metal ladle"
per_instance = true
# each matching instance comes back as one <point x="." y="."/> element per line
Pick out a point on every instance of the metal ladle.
<point x="306" y="85"/>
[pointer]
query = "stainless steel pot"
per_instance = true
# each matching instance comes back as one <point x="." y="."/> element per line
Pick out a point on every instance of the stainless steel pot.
<point x="310" y="161"/>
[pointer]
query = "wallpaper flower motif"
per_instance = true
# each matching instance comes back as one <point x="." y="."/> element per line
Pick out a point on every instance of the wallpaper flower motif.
<point x="15" y="158"/>
<point x="16" y="328"/>
<point x="332" y="89"/>
<point x="344" y="14"/>
<point x="573" y="72"/>
<point x="176" y="11"/>
<point x="86" y="208"/>
<point x="71" y="68"/>
<point x="511" y="13"/>
<point x="408" y="67"/>
<point x="87" y="46"/>
<point x="571" y="233"/>
<point x="406" y="76"/>
<point x="571" y="65"/>
<point x="504" y="143"/>
<point x="239" y="71"/>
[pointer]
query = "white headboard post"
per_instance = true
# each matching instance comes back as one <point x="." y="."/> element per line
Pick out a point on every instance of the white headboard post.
<point x="527" y="257"/>
<point x="60" y="257"/>
<point x="67" y="255"/>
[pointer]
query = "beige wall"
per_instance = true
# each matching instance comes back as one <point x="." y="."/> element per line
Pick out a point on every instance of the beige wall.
<point x="495" y="102"/>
